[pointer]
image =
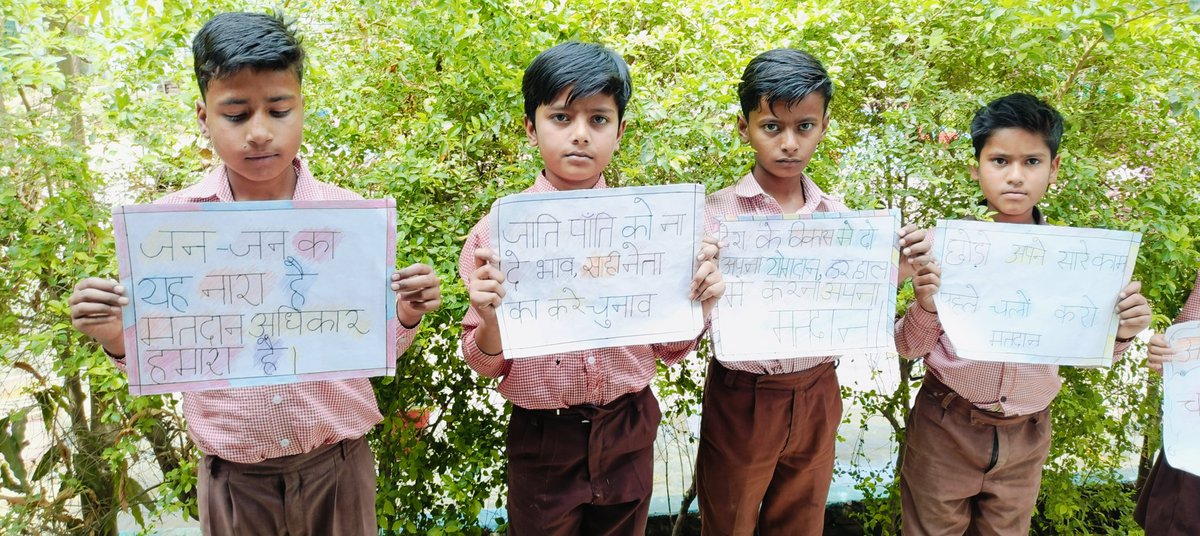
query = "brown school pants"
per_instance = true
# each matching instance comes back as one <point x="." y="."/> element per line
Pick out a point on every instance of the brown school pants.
<point x="969" y="471"/>
<point x="584" y="469"/>
<point x="1169" y="504"/>
<point x="327" y="492"/>
<point x="765" y="459"/>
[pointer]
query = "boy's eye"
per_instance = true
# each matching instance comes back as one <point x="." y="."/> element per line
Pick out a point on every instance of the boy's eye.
<point x="999" y="161"/>
<point x="1033" y="161"/>
<point x="235" y="118"/>
<point x="599" y="119"/>
<point x="805" y="127"/>
<point x="562" y="118"/>
<point x="280" y="113"/>
<point x="771" y="127"/>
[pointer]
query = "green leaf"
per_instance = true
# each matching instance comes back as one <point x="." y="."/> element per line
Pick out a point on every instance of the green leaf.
<point x="1195" y="5"/>
<point x="1109" y="33"/>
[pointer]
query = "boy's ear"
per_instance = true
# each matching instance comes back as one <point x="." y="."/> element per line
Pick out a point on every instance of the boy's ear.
<point x="743" y="128"/>
<point x="1054" y="168"/>
<point x="824" y="126"/>
<point x="620" y="131"/>
<point x="975" y="172"/>
<point x="531" y="131"/>
<point x="202" y="117"/>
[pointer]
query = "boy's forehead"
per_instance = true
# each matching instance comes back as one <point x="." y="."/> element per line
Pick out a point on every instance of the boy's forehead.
<point x="590" y="102"/>
<point x="272" y="82"/>
<point x="1016" y="139"/>
<point x="811" y="106"/>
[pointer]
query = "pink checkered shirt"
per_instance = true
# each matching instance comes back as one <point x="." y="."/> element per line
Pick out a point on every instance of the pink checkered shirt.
<point x="747" y="197"/>
<point x="1008" y="388"/>
<point x="556" y="381"/>
<point x="1191" y="309"/>
<point x="252" y="424"/>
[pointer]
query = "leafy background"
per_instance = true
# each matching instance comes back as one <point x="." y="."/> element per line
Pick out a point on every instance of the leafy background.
<point x="420" y="101"/>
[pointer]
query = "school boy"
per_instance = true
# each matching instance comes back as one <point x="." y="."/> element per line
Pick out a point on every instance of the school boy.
<point x="979" y="432"/>
<point x="1170" y="500"/>
<point x="768" y="428"/>
<point x="284" y="458"/>
<point x="581" y="435"/>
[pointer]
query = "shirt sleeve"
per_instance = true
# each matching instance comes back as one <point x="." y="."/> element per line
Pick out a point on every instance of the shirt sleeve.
<point x="492" y="366"/>
<point x="917" y="332"/>
<point x="1191" y="308"/>
<point x="405" y="335"/>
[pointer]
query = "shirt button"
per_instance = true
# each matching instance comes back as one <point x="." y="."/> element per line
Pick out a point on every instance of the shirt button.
<point x="591" y="360"/>
<point x="284" y="442"/>
<point x="277" y="399"/>
<point x="1004" y="399"/>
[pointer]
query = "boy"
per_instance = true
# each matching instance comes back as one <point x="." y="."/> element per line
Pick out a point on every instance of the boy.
<point x="581" y="435"/>
<point x="979" y="432"/>
<point x="768" y="428"/>
<point x="1170" y="500"/>
<point x="283" y="458"/>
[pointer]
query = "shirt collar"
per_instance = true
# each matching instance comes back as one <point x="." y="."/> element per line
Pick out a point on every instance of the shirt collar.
<point x="215" y="186"/>
<point x="749" y="188"/>
<point x="542" y="184"/>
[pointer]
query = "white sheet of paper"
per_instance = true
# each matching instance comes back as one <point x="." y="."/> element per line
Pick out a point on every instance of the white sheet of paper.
<point x="1181" y="399"/>
<point x="810" y="285"/>
<point x="592" y="269"/>
<point x="256" y="293"/>
<point x="1024" y="293"/>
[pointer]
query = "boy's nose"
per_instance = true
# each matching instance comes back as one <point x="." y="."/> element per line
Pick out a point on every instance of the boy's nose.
<point x="791" y="142"/>
<point x="258" y="131"/>
<point x="580" y="134"/>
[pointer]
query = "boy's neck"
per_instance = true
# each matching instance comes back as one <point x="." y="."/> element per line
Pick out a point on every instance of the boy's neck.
<point x="789" y="193"/>
<point x="279" y="190"/>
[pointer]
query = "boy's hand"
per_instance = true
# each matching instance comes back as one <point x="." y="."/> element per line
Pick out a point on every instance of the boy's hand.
<point x="915" y="245"/>
<point x="418" y="291"/>
<point x="1160" y="352"/>
<point x="486" y="286"/>
<point x="926" y="284"/>
<point x="707" y="285"/>
<point x="96" y="312"/>
<point x="1133" y="311"/>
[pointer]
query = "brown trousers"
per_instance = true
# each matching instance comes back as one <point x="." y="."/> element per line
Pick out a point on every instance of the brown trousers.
<point x="1170" y="502"/>
<point x="765" y="459"/>
<point x="327" y="492"/>
<point x="969" y="471"/>
<point x="584" y="469"/>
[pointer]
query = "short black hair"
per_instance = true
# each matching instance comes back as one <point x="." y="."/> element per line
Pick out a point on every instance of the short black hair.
<point x="587" y="69"/>
<point x="783" y="74"/>
<point x="230" y="42"/>
<point x="1018" y="110"/>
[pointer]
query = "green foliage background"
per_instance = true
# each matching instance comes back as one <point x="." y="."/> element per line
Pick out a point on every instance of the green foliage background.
<point x="420" y="101"/>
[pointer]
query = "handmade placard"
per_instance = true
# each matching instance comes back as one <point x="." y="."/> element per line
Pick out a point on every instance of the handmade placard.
<point x="255" y="293"/>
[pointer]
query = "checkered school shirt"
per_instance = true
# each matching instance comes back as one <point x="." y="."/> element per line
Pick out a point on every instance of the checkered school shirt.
<point x="556" y="381"/>
<point x="1191" y="309"/>
<point x="1008" y="388"/>
<point x="252" y="424"/>
<point x="747" y="197"/>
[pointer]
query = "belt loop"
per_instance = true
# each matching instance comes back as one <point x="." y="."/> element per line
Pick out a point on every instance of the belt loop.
<point x="342" y="448"/>
<point x="214" y="466"/>
<point x="948" y="399"/>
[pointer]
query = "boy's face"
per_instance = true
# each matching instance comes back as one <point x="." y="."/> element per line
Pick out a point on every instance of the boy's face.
<point x="255" y="120"/>
<point x="784" y="137"/>
<point x="1015" y="169"/>
<point x="576" y="140"/>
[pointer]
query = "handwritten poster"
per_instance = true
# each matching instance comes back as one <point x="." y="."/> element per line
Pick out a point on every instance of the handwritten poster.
<point x="597" y="268"/>
<point x="255" y="293"/>
<point x="807" y="285"/>
<point x="1032" y="293"/>
<point x="1181" y="399"/>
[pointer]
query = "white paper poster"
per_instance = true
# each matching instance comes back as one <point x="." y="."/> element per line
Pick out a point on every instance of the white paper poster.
<point x="592" y="269"/>
<point x="1025" y="293"/>
<point x="807" y="285"/>
<point x="1181" y="399"/>
<point x="255" y="293"/>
